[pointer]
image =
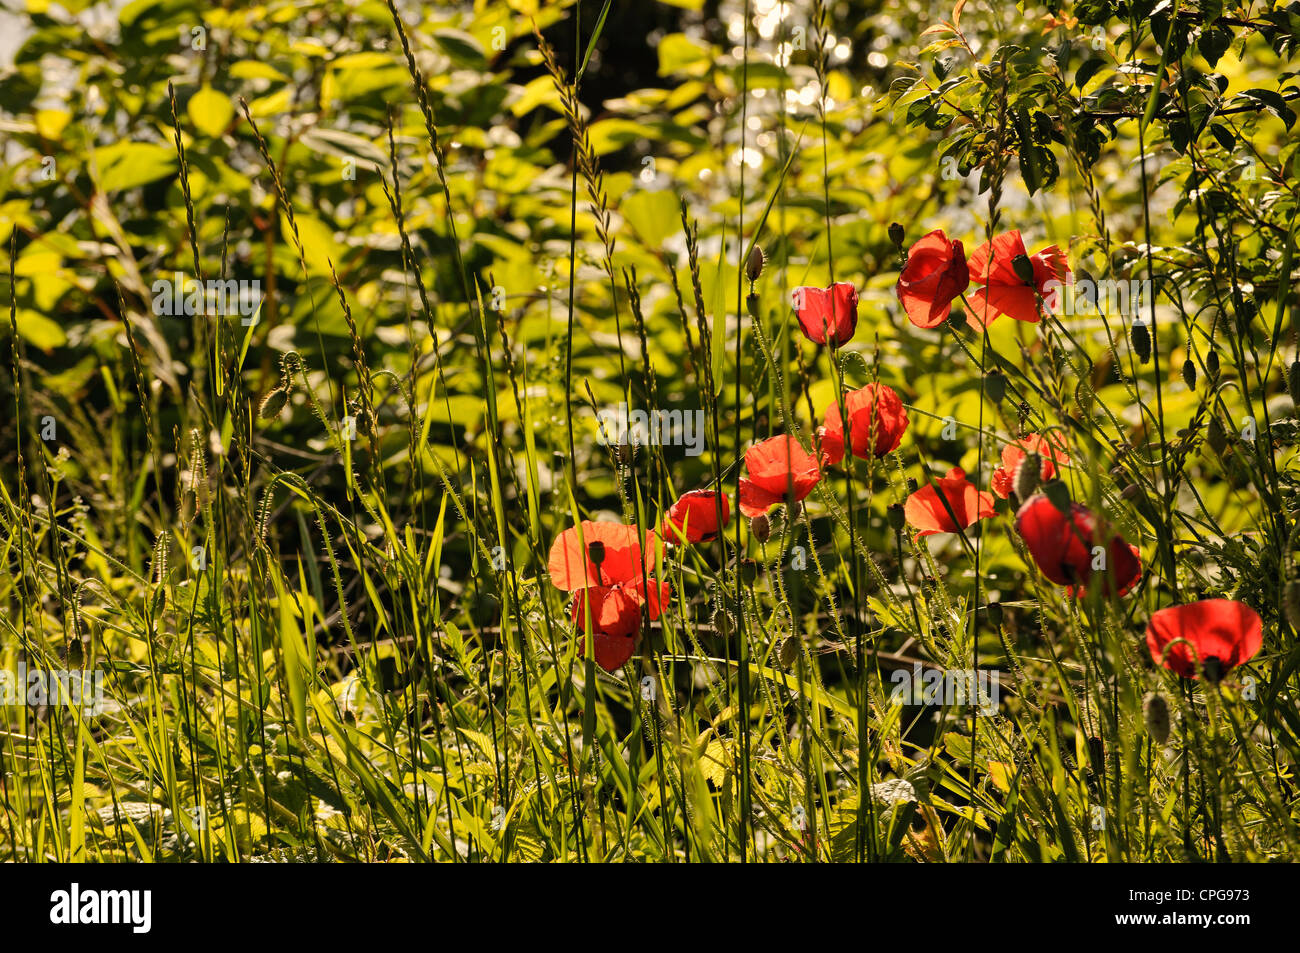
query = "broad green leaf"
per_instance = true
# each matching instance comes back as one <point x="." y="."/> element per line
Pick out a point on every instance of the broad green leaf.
<point x="210" y="111"/>
<point x="128" y="165"/>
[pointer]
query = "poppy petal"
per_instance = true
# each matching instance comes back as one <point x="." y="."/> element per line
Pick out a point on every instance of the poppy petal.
<point x="1224" y="629"/>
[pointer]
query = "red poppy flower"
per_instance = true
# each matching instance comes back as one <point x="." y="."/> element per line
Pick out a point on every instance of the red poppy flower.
<point x="1004" y="291"/>
<point x="615" y="621"/>
<point x="776" y="466"/>
<point x="610" y="572"/>
<point x="1051" y="451"/>
<point x="1132" y="568"/>
<point x="926" y="513"/>
<point x="874" y="405"/>
<point x="1220" y="634"/>
<point x="694" y="517"/>
<point x="934" y="275"/>
<point x="571" y="565"/>
<point x="1064" y="547"/>
<point x="827" y="314"/>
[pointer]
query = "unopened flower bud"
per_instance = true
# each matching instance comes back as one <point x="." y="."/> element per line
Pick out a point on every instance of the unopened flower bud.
<point x="1292" y="599"/>
<point x="789" y="650"/>
<point x="1212" y="363"/>
<point x="761" y="527"/>
<point x="896" y="235"/>
<point x="994" y="610"/>
<point x="1141" y="339"/>
<point x="1189" y="374"/>
<point x="897" y="517"/>
<point x="596" y="552"/>
<point x="1216" y="436"/>
<point x="1155" y="713"/>
<point x="273" y="402"/>
<point x="1028" y="472"/>
<point x="754" y="263"/>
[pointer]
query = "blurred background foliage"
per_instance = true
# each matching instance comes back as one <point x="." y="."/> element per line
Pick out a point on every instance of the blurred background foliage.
<point x="90" y="179"/>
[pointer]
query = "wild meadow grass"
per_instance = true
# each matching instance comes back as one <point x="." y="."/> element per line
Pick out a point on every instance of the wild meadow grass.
<point x="312" y="549"/>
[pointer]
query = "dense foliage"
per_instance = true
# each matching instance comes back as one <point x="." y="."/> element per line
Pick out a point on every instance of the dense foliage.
<point x="322" y="317"/>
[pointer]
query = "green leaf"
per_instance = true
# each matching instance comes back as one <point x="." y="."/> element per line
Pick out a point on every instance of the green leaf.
<point x="40" y="331"/>
<point x="1273" y="102"/>
<point x="678" y="53"/>
<point x="591" y="43"/>
<point x="461" y="47"/>
<point x="210" y="111"/>
<point x="127" y="165"/>
<point x="654" y="215"/>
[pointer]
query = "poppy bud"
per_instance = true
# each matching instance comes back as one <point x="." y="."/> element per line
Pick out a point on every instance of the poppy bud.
<point x="1024" y="268"/>
<point x="957" y="320"/>
<point x="596" y="552"/>
<point x="1292" y="598"/>
<point x="994" y="609"/>
<point x="1212" y="363"/>
<point x="1130" y="492"/>
<point x="754" y="263"/>
<point x="1141" y="339"/>
<point x="273" y="402"/>
<point x="789" y="650"/>
<point x="995" y="385"/>
<point x="1028" y="472"/>
<point x="1058" y="494"/>
<point x="896" y="235"/>
<point x="795" y="509"/>
<point x="761" y="527"/>
<point x="1216" y="436"/>
<point x="1293" y="381"/>
<point x="722" y="622"/>
<point x="1155" y="713"/>
<point x="897" y="517"/>
<point x="1189" y="374"/>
